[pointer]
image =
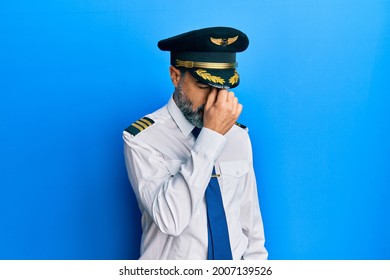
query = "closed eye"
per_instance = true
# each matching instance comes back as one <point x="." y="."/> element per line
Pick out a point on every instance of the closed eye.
<point x="203" y="86"/>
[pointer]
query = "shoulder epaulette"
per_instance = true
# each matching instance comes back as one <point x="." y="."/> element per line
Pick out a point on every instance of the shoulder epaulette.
<point x="139" y="125"/>
<point x="241" y="125"/>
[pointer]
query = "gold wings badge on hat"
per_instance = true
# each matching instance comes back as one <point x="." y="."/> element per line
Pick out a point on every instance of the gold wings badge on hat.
<point x="223" y="41"/>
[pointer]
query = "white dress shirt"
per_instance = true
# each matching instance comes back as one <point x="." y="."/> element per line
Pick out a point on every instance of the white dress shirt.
<point x="169" y="171"/>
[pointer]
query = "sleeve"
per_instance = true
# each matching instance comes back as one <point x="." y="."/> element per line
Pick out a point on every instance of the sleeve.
<point x="171" y="200"/>
<point x="251" y="220"/>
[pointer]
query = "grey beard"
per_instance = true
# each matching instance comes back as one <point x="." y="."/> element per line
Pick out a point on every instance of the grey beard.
<point x="185" y="105"/>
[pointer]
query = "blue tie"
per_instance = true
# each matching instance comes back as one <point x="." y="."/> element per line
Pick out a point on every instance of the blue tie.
<point x="218" y="235"/>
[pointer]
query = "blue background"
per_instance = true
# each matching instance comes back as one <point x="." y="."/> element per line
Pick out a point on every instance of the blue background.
<point x="315" y="88"/>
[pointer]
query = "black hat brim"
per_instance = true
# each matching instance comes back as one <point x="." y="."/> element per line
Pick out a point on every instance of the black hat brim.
<point x="226" y="78"/>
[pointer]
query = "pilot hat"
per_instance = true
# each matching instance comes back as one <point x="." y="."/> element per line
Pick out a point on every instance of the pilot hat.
<point x="209" y="54"/>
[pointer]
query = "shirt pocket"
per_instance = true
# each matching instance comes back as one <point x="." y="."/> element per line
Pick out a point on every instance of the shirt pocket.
<point x="236" y="168"/>
<point x="232" y="181"/>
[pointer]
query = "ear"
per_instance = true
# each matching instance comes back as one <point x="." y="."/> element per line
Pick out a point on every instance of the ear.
<point x="175" y="75"/>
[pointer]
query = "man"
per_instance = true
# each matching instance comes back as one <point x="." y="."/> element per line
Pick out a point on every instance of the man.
<point x="190" y="163"/>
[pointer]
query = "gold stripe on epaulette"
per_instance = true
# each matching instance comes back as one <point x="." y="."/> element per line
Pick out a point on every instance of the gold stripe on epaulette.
<point x="138" y="126"/>
<point x="144" y="125"/>
<point x="241" y="126"/>
<point x="146" y="121"/>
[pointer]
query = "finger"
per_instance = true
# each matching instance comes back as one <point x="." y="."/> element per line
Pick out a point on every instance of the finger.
<point x="235" y="104"/>
<point x="230" y="96"/>
<point x="239" y="109"/>
<point x="222" y="95"/>
<point x="211" y="98"/>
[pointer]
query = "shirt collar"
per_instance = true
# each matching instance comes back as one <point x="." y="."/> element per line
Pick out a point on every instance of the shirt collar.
<point x="185" y="126"/>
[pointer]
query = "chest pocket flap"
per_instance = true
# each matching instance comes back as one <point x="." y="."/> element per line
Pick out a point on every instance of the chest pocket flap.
<point x="236" y="168"/>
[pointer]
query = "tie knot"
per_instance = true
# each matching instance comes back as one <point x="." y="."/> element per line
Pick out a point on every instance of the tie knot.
<point x="196" y="132"/>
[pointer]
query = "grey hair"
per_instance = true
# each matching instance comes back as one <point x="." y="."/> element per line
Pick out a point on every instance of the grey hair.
<point x="186" y="106"/>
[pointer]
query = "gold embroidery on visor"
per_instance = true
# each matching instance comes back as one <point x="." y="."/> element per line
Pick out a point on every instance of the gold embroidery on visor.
<point x="234" y="79"/>
<point x="207" y="76"/>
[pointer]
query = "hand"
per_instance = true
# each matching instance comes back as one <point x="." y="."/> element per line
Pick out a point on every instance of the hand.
<point x="221" y="111"/>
